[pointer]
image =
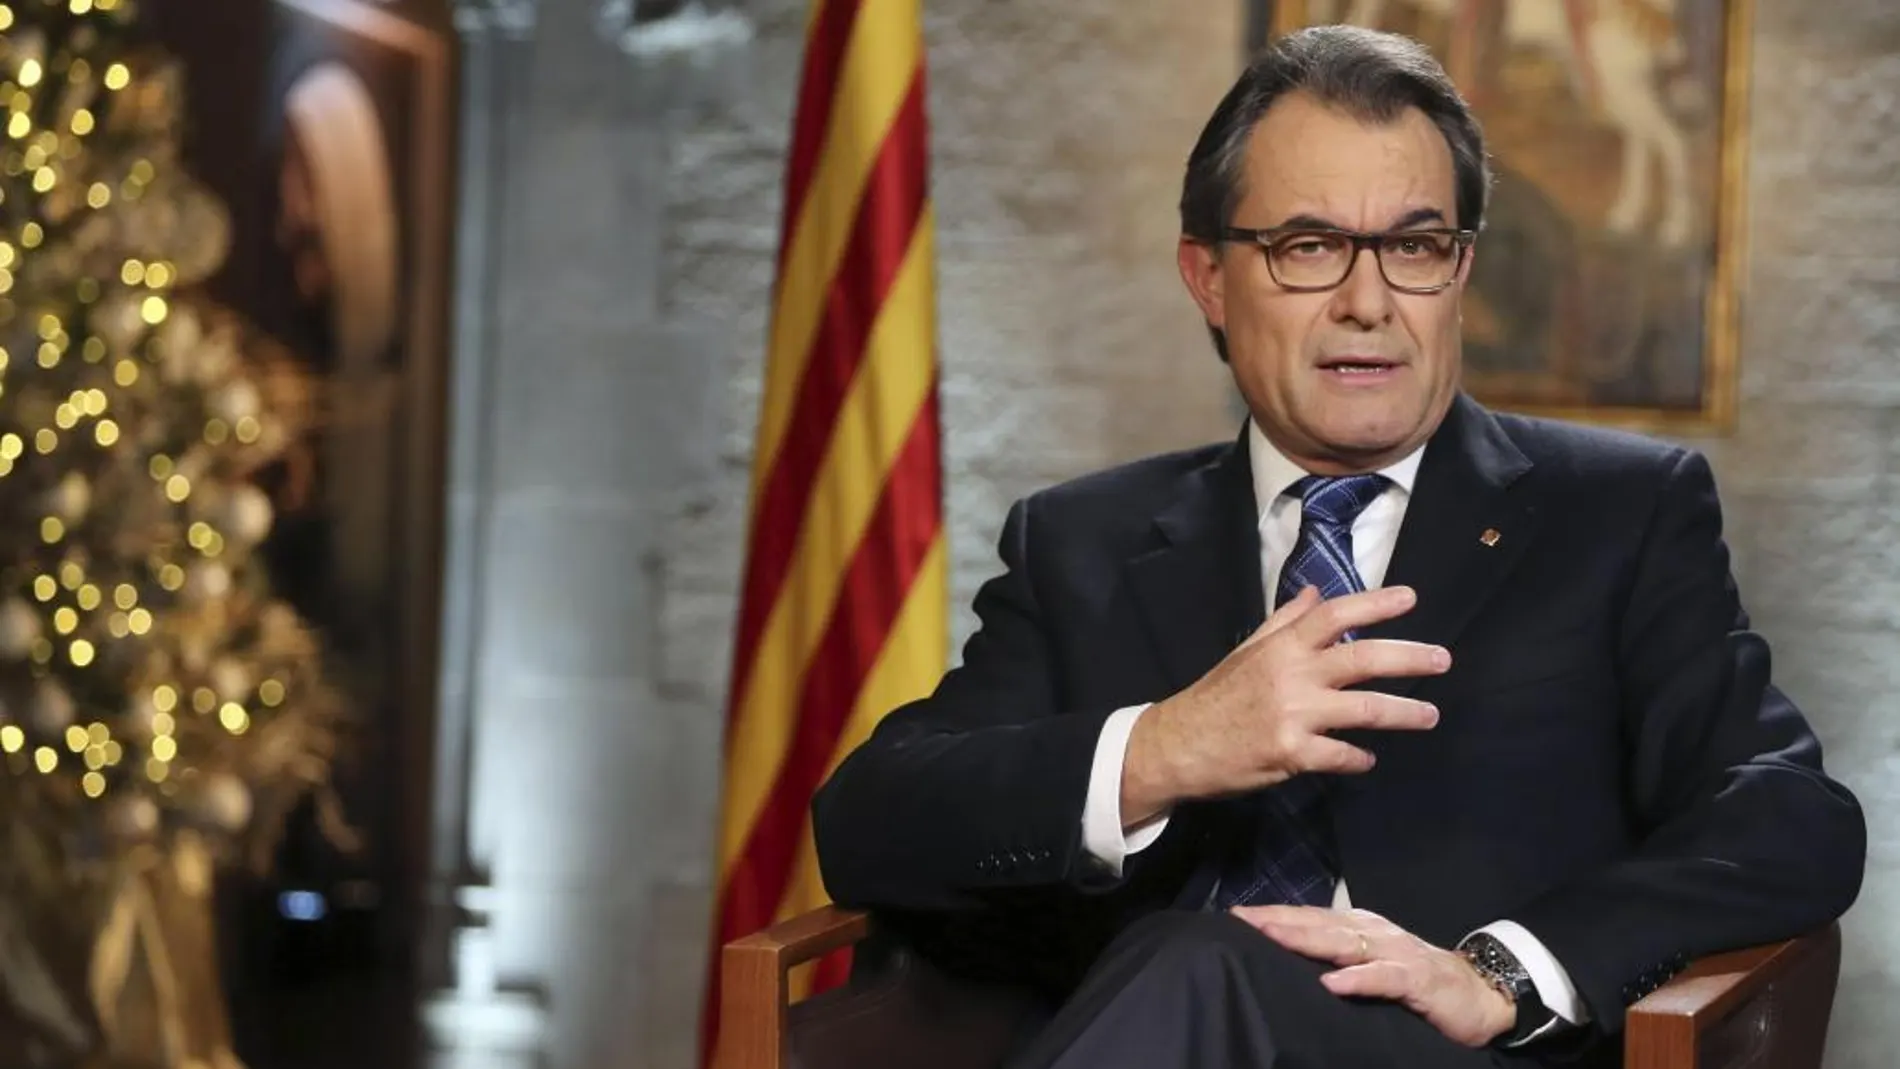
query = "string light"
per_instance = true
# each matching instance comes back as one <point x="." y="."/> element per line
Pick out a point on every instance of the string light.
<point x="132" y="273"/>
<point x="6" y="22"/>
<point x="156" y="770"/>
<point x="125" y="373"/>
<point x="12" y="739"/>
<point x="106" y="433"/>
<point x="82" y="123"/>
<point x="139" y="620"/>
<point x="234" y="718"/>
<point x="46" y="759"/>
<point x="158" y="276"/>
<point x="118" y="76"/>
<point x="93" y="784"/>
<point x="248" y="430"/>
<point x="270" y="692"/>
<point x="51" y="530"/>
<point x="177" y="488"/>
<point x="125" y="595"/>
<point x="81" y="653"/>
<point x="163" y="724"/>
<point x="65" y="620"/>
<point x="76" y="738"/>
<point x="71" y="575"/>
<point x="90" y="597"/>
<point x="98" y="734"/>
<point x="164" y="698"/>
<point x="45" y="588"/>
<point x="204" y="699"/>
<point x="164" y="748"/>
<point x="153" y="310"/>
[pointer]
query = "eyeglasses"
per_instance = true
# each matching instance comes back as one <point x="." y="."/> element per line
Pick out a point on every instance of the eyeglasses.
<point x="1308" y="259"/>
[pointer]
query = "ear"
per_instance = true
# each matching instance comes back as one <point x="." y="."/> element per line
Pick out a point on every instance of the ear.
<point x="1206" y="283"/>
<point x="1464" y="269"/>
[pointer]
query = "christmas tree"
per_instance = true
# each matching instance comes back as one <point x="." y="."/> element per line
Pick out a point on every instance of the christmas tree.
<point x="157" y="704"/>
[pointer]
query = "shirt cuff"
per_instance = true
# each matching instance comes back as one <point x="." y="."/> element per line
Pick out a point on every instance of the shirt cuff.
<point x="1553" y="984"/>
<point x="1102" y="832"/>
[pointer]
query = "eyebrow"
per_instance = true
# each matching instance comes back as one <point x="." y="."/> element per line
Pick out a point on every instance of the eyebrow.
<point x="1415" y="217"/>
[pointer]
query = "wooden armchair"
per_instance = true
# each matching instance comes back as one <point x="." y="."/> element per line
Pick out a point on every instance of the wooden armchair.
<point x="1752" y="1009"/>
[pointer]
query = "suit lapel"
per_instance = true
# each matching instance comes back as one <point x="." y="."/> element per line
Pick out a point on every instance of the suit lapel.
<point x="1198" y="585"/>
<point x="1463" y="530"/>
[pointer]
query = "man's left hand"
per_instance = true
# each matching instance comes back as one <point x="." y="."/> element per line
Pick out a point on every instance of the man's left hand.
<point x="1378" y="959"/>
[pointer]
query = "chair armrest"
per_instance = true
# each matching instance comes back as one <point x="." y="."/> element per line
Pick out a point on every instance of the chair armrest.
<point x="1723" y="1009"/>
<point x="753" y="993"/>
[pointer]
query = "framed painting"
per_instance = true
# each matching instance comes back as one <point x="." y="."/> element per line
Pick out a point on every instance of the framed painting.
<point x="1605" y="286"/>
<point x="325" y="126"/>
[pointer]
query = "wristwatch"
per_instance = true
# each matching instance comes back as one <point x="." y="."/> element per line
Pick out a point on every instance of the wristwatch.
<point x="1501" y="969"/>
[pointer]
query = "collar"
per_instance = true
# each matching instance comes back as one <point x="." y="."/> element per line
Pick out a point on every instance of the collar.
<point x="1273" y="473"/>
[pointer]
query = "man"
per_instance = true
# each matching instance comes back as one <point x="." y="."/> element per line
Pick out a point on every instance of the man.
<point x="1502" y="758"/>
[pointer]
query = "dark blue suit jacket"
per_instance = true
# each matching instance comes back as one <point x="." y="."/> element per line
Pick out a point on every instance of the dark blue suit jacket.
<point x="1612" y="769"/>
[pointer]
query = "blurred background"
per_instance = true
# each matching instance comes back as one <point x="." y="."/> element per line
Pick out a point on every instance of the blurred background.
<point x="538" y="342"/>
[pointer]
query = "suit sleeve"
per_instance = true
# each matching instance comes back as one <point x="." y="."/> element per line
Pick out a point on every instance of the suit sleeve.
<point x="1743" y="839"/>
<point x="977" y="788"/>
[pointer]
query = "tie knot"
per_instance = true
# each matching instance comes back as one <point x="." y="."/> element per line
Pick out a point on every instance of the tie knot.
<point x="1336" y="501"/>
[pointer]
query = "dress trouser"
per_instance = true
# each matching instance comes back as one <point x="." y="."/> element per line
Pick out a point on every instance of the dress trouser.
<point x="1203" y="990"/>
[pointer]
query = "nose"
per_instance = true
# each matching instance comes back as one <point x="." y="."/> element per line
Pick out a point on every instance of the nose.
<point x="1363" y="298"/>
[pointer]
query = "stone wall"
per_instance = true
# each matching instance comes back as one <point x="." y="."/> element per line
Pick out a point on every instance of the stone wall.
<point x="637" y="236"/>
<point x="1810" y="478"/>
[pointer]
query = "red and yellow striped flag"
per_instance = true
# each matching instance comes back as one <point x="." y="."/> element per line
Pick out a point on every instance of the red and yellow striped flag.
<point x="843" y="614"/>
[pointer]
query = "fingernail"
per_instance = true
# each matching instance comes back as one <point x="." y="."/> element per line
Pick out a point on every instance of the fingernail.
<point x="1431" y="719"/>
<point x="1441" y="658"/>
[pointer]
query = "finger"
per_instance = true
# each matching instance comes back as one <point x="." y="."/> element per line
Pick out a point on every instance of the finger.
<point x="1381" y="658"/>
<point x="1371" y="709"/>
<point x="1374" y="979"/>
<point x="1321" y="754"/>
<point x="1285" y="615"/>
<point x="1329" y="622"/>
<point x="1288" y="916"/>
<point x="1330" y="942"/>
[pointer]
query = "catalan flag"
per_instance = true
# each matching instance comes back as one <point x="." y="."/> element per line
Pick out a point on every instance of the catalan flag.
<point x="843" y="613"/>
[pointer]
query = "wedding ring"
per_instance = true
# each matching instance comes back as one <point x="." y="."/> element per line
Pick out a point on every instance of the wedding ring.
<point x="1365" y="948"/>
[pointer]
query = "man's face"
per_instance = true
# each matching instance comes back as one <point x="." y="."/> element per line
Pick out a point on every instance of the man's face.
<point x="1353" y="378"/>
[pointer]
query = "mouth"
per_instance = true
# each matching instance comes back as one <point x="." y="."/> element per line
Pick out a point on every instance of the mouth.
<point x="1360" y="369"/>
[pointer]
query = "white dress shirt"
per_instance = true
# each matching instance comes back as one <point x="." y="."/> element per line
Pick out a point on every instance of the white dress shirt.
<point x="1374" y="534"/>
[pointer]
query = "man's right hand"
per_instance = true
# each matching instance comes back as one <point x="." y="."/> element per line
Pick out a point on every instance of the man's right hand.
<point x="1262" y="714"/>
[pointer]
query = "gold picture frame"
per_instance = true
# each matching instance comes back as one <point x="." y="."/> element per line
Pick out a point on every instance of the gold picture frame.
<point x="1607" y="282"/>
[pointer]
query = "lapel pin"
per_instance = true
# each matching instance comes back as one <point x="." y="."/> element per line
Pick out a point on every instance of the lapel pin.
<point x="1490" y="536"/>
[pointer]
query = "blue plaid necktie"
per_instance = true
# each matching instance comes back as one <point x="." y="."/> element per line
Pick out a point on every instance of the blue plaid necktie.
<point x="1288" y="860"/>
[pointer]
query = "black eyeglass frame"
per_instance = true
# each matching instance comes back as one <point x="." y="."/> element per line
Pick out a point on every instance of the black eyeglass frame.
<point x="1361" y="241"/>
